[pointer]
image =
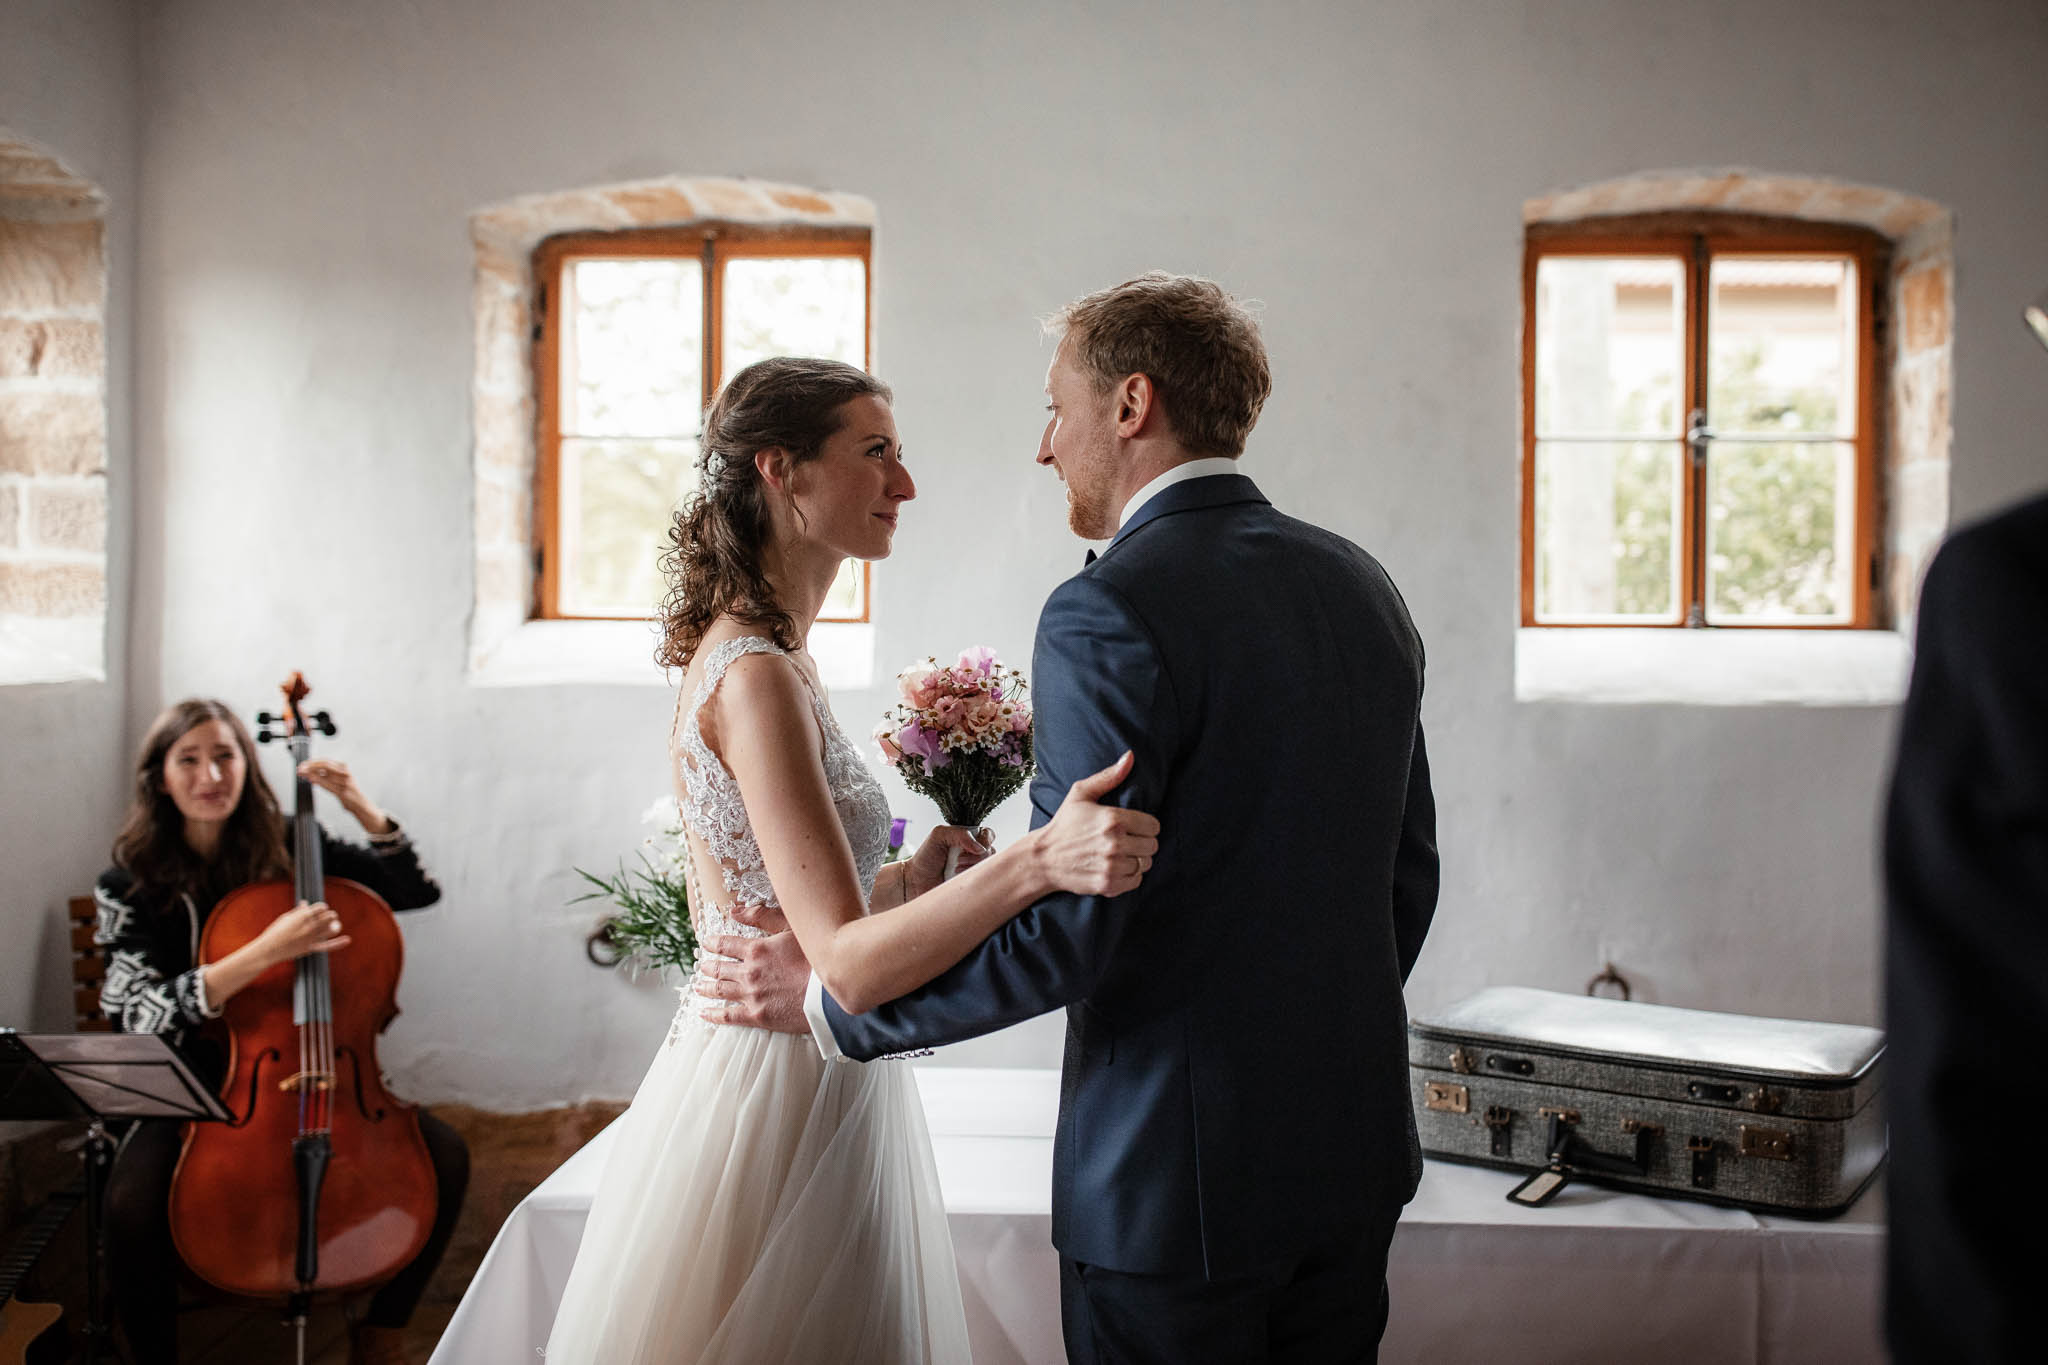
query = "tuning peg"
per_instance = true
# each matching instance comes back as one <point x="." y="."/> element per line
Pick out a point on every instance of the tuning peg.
<point x="264" y="736"/>
<point x="265" y="718"/>
<point x="323" y="722"/>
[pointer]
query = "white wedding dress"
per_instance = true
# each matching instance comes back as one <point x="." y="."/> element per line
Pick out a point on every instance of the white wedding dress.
<point x="760" y="1204"/>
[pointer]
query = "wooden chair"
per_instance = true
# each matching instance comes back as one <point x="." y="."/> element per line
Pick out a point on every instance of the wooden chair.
<point x="88" y="969"/>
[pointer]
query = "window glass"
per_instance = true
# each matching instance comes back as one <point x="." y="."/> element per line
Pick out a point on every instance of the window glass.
<point x="1610" y="346"/>
<point x="802" y="305"/>
<point x="1781" y="346"/>
<point x="1607" y="530"/>
<point x="1781" y="521"/>
<point x="633" y="349"/>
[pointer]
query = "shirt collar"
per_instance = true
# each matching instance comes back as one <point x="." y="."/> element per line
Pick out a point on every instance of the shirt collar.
<point x="1189" y="469"/>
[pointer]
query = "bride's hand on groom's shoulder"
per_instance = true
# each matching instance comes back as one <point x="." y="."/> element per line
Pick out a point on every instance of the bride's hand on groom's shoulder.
<point x="1090" y="849"/>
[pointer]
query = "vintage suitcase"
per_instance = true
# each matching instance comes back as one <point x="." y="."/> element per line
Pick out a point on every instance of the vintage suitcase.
<point x="1776" y="1115"/>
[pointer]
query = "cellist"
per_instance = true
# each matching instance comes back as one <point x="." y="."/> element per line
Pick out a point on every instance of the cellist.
<point x="201" y="822"/>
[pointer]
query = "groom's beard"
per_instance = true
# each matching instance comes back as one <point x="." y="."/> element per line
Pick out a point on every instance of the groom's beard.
<point x="1088" y="512"/>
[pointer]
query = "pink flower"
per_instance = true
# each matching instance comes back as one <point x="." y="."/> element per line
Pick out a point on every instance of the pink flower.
<point x="920" y="684"/>
<point x="1020" y="720"/>
<point x="915" y="739"/>
<point x="984" y="713"/>
<point x="980" y="659"/>
<point x="885" y="740"/>
<point x="949" y="712"/>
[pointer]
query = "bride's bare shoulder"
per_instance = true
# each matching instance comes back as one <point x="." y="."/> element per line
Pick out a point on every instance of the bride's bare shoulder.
<point x="762" y="692"/>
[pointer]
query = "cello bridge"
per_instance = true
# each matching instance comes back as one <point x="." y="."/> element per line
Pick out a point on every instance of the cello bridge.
<point x="308" y="1080"/>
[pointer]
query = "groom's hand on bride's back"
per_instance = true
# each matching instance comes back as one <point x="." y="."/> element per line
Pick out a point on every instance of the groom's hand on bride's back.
<point x="763" y="983"/>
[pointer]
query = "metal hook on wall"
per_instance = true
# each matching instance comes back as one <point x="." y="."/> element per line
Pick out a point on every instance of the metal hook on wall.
<point x="1609" y="977"/>
<point x="601" y="948"/>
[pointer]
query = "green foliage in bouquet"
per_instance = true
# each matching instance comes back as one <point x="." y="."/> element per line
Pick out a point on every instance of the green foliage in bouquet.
<point x="969" y="787"/>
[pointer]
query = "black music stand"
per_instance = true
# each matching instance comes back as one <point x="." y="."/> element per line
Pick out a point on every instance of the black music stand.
<point x="89" y="1078"/>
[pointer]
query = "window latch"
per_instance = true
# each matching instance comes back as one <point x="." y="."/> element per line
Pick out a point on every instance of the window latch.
<point x="1697" y="435"/>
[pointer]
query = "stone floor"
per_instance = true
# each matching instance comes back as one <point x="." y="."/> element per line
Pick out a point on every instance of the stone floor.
<point x="509" y="1155"/>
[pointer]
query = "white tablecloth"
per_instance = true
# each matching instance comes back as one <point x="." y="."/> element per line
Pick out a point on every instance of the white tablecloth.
<point x="1593" y="1276"/>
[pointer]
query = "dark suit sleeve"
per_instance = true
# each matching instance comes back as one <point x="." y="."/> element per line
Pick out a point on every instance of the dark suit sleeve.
<point x="392" y="869"/>
<point x="1099" y="689"/>
<point x="1416" y="868"/>
<point x="1966" y="860"/>
<point x="1967" y="834"/>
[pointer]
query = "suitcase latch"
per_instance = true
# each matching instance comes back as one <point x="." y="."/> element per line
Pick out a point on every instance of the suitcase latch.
<point x="1771" y="1144"/>
<point x="1763" y="1101"/>
<point x="1702" y="1149"/>
<point x="1566" y="1115"/>
<point x="1461" y="1061"/>
<point x="1446" y="1096"/>
<point x="1500" y="1121"/>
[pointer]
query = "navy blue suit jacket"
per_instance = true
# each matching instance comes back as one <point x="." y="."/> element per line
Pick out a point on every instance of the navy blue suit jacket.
<point x="1235" y="1088"/>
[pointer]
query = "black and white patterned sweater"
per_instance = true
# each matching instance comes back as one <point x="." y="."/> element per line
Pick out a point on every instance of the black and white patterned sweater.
<point x="151" y="940"/>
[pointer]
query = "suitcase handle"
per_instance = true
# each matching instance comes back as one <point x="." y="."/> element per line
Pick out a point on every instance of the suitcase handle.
<point x="1571" y="1152"/>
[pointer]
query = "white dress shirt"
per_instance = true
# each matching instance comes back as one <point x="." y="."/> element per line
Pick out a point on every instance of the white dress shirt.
<point x="814" y="994"/>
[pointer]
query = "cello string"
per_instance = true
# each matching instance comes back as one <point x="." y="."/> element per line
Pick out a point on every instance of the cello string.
<point x="326" y="1043"/>
<point x="320" y="1040"/>
<point x="298" y="988"/>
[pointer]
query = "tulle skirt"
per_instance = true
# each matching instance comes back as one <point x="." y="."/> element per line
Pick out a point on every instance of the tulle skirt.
<point x="762" y="1205"/>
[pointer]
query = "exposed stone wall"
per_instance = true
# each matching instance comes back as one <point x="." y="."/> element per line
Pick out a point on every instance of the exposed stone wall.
<point x="53" y="401"/>
<point x="1921" y="359"/>
<point x="1918" y="360"/>
<point x="502" y="401"/>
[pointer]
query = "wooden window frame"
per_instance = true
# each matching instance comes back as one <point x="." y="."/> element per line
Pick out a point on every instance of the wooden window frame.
<point x="1695" y="239"/>
<point x="711" y="243"/>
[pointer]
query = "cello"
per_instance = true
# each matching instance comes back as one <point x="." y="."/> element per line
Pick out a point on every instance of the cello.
<point x="321" y="1182"/>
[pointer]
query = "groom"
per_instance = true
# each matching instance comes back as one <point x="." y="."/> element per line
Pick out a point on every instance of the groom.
<point x="1235" y="1137"/>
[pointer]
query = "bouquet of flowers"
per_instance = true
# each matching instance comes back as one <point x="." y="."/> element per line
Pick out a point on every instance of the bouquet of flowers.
<point x="961" y="735"/>
<point x="650" y="927"/>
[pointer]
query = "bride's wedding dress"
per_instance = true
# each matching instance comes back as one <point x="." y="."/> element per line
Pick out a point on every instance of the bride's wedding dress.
<point x="760" y="1204"/>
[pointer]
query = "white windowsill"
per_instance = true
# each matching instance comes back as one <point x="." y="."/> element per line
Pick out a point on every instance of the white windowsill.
<point x="60" y="651"/>
<point x="1713" y="667"/>
<point x="621" y="654"/>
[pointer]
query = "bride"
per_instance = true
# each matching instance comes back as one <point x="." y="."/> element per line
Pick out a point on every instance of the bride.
<point x="760" y="1204"/>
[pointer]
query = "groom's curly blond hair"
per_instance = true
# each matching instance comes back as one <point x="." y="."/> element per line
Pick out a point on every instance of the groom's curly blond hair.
<point x="1197" y="344"/>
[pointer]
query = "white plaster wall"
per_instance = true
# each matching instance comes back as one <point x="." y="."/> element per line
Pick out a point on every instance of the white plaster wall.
<point x="306" y="346"/>
<point x="68" y="82"/>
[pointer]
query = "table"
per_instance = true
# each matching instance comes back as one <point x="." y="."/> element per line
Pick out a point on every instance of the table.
<point x="1594" y="1276"/>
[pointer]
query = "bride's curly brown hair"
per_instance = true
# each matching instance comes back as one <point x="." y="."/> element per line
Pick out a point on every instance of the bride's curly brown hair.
<point x="719" y="537"/>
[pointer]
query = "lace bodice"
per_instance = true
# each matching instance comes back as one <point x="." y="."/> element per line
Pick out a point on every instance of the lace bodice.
<point x="712" y="810"/>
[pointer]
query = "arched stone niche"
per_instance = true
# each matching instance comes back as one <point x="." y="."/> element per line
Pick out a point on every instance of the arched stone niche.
<point x="53" y="418"/>
<point x="1917" y="365"/>
<point x="502" y="400"/>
